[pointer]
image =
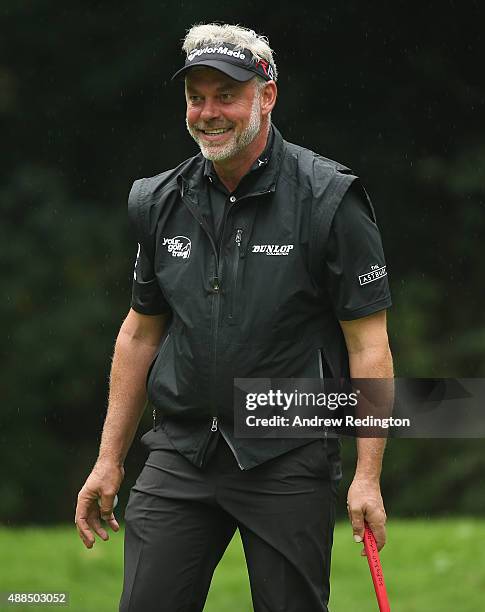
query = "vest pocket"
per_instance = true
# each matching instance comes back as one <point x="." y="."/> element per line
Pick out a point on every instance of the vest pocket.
<point x="320" y="363"/>
<point x="157" y="355"/>
<point x="235" y="279"/>
<point x="322" y="370"/>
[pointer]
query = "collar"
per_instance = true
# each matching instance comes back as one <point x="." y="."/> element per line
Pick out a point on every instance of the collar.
<point x="194" y="175"/>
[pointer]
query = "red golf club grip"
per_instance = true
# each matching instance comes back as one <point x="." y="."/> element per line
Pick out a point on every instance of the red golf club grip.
<point x="375" y="569"/>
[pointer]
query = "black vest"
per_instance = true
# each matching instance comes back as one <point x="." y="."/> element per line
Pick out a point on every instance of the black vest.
<point x="254" y="307"/>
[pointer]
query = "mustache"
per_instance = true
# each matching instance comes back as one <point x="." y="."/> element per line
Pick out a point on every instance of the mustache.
<point x="197" y="126"/>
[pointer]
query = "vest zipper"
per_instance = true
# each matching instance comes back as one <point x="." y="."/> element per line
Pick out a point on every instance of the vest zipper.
<point x="214" y="424"/>
<point x="216" y="286"/>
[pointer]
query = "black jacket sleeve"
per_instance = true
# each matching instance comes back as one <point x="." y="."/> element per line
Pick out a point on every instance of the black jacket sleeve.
<point x="355" y="268"/>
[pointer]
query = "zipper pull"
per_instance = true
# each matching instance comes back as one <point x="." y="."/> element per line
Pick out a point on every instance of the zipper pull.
<point x="214" y="424"/>
<point x="215" y="284"/>
<point x="238" y="237"/>
<point x="154" y="414"/>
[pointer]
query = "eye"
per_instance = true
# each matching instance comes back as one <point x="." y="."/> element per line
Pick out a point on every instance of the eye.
<point x="194" y="99"/>
<point x="226" y="97"/>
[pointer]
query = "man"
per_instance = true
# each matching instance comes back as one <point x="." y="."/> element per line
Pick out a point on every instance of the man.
<point x="248" y="266"/>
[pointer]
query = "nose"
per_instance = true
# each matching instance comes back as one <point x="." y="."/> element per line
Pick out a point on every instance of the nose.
<point x="210" y="110"/>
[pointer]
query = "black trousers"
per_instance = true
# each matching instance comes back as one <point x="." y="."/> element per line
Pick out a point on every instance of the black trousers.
<point x="180" y="519"/>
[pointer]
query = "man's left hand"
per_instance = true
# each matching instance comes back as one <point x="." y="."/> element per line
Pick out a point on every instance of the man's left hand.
<point x="364" y="503"/>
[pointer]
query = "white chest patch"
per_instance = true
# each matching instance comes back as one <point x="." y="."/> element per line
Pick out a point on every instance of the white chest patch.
<point x="178" y="246"/>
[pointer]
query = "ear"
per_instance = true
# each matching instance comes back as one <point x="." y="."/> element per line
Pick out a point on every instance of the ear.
<point x="268" y="98"/>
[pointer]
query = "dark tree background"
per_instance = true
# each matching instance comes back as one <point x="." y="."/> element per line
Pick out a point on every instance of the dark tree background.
<point x="394" y="90"/>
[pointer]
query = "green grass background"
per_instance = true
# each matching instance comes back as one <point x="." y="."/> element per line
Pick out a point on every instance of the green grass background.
<point x="429" y="565"/>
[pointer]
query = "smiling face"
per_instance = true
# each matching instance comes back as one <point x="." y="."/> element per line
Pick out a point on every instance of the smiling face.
<point x="224" y="116"/>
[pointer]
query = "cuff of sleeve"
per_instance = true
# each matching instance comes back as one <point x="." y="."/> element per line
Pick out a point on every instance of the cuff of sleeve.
<point x="149" y="310"/>
<point x="363" y="311"/>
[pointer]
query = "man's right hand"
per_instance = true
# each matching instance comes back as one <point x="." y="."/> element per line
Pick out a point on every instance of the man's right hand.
<point x="102" y="484"/>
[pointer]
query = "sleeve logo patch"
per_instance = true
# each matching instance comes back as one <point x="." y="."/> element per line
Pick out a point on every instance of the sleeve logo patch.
<point x="375" y="273"/>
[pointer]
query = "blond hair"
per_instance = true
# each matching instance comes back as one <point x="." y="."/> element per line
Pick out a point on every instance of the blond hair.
<point x="243" y="38"/>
